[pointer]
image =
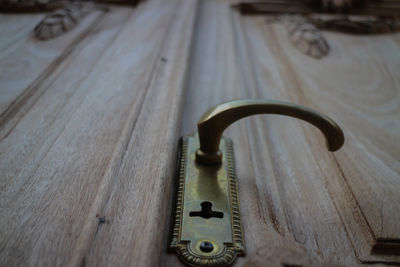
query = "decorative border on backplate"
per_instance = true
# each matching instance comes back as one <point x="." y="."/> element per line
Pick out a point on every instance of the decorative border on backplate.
<point x="179" y="194"/>
<point x="182" y="248"/>
<point x="234" y="199"/>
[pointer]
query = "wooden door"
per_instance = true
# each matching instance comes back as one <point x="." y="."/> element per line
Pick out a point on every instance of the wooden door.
<point x="90" y="123"/>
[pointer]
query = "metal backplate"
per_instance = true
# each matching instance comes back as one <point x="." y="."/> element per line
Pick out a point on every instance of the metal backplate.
<point x="206" y="229"/>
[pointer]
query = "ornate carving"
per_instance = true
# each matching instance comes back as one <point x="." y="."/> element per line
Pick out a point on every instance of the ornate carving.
<point x="305" y="36"/>
<point x="305" y="32"/>
<point x="62" y="20"/>
<point x="179" y="194"/>
<point x="234" y="199"/>
<point x="227" y="258"/>
<point x="64" y="15"/>
<point x="304" y="28"/>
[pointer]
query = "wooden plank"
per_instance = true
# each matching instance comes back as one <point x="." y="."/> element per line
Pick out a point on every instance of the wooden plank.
<point x="291" y="188"/>
<point x="212" y="78"/>
<point x="221" y="70"/>
<point x="29" y="143"/>
<point x="25" y="61"/>
<point x="359" y="83"/>
<point x="68" y="145"/>
<point x="17" y="28"/>
<point x="297" y="207"/>
<point x="32" y="134"/>
<point x="136" y="203"/>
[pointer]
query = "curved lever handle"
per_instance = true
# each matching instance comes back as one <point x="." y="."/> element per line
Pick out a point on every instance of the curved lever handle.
<point x="212" y="124"/>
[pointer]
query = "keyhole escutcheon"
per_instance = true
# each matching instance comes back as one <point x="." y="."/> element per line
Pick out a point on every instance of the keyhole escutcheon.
<point x="206" y="211"/>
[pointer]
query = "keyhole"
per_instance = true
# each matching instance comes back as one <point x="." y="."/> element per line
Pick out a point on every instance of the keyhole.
<point x="206" y="211"/>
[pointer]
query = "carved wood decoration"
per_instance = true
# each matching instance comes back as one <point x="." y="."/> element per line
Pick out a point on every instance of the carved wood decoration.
<point x="63" y="16"/>
<point x="62" y="20"/>
<point x="304" y="35"/>
<point x="304" y="25"/>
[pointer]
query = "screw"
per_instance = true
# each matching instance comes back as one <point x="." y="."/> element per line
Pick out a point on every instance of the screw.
<point x="206" y="246"/>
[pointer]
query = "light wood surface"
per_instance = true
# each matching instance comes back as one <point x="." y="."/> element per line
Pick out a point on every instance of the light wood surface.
<point x="25" y="62"/>
<point x="88" y="138"/>
<point x="66" y="158"/>
<point x="293" y="191"/>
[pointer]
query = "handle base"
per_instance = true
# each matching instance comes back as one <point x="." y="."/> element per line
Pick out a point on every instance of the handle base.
<point x="208" y="158"/>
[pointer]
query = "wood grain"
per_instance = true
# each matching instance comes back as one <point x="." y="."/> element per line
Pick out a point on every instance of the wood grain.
<point x="292" y="190"/>
<point x="366" y="104"/>
<point x="88" y="138"/>
<point x="64" y="152"/>
<point x="136" y="205"/>
<point x="25" y="62"/>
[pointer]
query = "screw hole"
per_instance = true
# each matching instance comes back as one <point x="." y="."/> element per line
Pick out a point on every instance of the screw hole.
<point x="206" y="246"/>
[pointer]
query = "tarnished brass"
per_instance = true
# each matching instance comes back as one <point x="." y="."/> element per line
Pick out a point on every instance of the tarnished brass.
<point x="207" y="230"/>
<point x="211" y="240"/>
<point x="212" y="124"/>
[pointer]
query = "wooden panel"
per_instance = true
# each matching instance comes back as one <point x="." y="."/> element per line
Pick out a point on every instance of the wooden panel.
<point x="57" y="98"/>
<point x="359" y="84"/>
<point x="25" y="61"/>
<point x="14" y="27"/>
<point x="88" y="140"/>
<point x="297" y="201"/>
<point x="64" y="153"/>
<point x="136" y="203"/>
<point x="213" y="76"/>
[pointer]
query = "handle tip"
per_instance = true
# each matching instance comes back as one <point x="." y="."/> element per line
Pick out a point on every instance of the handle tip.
<point x="335" y="141"/>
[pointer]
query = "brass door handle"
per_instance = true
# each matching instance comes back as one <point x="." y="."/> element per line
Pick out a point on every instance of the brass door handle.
<point x="207" y="229"/>
<point x="213" y="123"/>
